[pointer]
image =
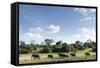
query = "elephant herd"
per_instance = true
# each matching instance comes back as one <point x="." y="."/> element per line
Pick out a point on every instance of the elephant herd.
<point x="60" y="55"/>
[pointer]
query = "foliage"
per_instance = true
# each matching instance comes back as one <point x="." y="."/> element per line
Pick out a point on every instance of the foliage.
<point x="66" y="48"/>
<point x="48" y="41"/>
<point x="94" y="49"/>
<point x="59" y="46"/>
<point x="46" y="50"/>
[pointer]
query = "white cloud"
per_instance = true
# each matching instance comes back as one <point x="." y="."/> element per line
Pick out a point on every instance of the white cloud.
<point x="39" y="31"/>
<point x="85" y="34"/>
<point x="59" y="38"/>
<point x="86" y="18"/>
<point x="93" y="10"/>
<point x="84" y="29"/>
<point x="82" y="11"/>
<point x="85" y="13"/>
<point x="36" y="30"/>
<point x="76" y="9"/>
<point x="53" y="29"/>
<point x="77" y="36"/>
<point x="31" y="35"/>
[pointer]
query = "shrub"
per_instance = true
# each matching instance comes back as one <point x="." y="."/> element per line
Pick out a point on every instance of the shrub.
<point x="66" y="48"/>
<point x="57" y="50"/>
<point x="94" y="49"/>
<point x="46" y="50"/>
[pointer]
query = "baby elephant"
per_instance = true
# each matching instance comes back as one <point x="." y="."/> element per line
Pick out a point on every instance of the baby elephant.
<point x="50" y="56"/>
<point x="62" y="55"/>
<point x="35" y="56"/>
<point x="73" y="54"/>
<point x="87" y="54"/>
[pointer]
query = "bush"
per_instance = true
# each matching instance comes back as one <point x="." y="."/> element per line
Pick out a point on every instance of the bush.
<point x="57" y="50"/>
<point x="66" y="48"/>
<point x="80" y="47"/>
<point x="23" y="51"/>
<point x="94" y="49"/>
<point x="46" y="50"/>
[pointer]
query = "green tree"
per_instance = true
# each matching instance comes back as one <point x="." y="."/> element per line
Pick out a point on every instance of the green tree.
<point x="72" y="47"/>
<point x="89" y="43"/>
<point x="94" y="44"/>
<point x="94" y="49"/>
<point x="32" y="42"/>
<point x="58" y="42"/>
<point x="48" y="41"/>
<point x="80" y="47"/>
<point x="65" y="47"/>
<point x="23" y="51"/>
<point x="78" y="42"/>
<point x="21" y="42"/>
<point x="46" y="49"/>
<point x="85" y="45"/>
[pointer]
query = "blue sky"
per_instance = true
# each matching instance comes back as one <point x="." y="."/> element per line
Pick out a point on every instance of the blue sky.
<point x="59" y="23"/>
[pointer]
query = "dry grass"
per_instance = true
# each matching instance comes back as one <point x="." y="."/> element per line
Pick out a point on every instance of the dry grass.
<point x="80" y="55"/>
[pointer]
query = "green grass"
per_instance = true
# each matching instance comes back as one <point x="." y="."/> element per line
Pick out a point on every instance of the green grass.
<point x="80" y="55"/>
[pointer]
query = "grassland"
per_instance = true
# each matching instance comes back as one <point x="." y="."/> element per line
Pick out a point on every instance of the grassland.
<point x="80" y="55"/>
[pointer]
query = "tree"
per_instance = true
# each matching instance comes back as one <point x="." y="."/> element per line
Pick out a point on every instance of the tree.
<point x="42" y="43"/>
<point x="32" y="42"/>
<point x="48" y="41"/>
<point x="21" y="43"/>
<point x="29" y="48"/>
<point x="88" y="44"/>
<point x="46" y="49"/>
<point x="80" y="47"/>
<point x="65" y="47"/>
<point x="23" y="51"/>
<point x="78" y="42"/>
<point x="94" y="49"/>
<point x="64" y="44"/>
<point x="72" y="47"/>
<point x="59" y="43"/>
<point x="57" y="50"/>
<point x="94" y="44"/>
<point x="85" y="45"/>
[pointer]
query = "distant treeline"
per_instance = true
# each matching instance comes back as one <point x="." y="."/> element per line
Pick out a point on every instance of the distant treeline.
<point x="58" y="47"/>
